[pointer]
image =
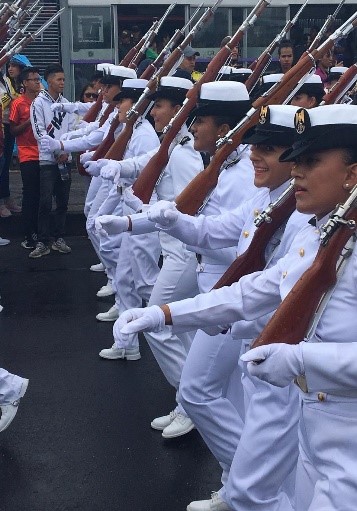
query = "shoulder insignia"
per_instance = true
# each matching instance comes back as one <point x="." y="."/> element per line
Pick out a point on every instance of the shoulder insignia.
<point x="184" y="140"/>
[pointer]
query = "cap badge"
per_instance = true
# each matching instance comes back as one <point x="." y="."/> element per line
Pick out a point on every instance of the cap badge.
<point x="300" y="123"/>
<point x="264" y="115"/>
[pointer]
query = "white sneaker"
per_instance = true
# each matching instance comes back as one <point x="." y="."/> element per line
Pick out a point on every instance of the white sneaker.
<point x="214" y="504"/>
<point x="97" y="267"/>
<point x="4" y="241"/>
<point x="9" y="411"/>
<point x="160" y="423"/>
<point x="178" y="427"/>
<point x="106" y="290"/>
<point x="115" y="353"/>
<point x="111" y="315"/>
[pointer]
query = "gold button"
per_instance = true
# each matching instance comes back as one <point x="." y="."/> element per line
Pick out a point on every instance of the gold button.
<point x="284" y="274"/>
<point x="321" y="396"/>
<point x="256" y="212"/>
<point x="301" y="252"/>
<point x="246" y="234"/>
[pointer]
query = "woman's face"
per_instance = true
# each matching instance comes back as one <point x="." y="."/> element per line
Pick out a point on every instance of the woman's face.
<point x="124" y="106"/>
<point x="13" y="70"/>
<point x="323" y="179"/>
<point x="205" y="134"/>
<point x="268" y="170"/>
<point x="162" y="112"/>
<point x="90" y="95"/>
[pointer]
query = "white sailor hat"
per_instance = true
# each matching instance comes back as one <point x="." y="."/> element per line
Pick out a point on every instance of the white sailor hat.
<point x="103" y="66"/>
<point x="116" y="74"/>
<point x="131" y="88"/>
<point x="223" y="98"/>
<point x="321" y="128"/>
<point x="172" y="87"/>
<point x="313" y="86"/>
<point x="268" y="81"/>
<point x="336" y="72"/>
<point x="233" y="74"/>
<point x="275" y="126"/>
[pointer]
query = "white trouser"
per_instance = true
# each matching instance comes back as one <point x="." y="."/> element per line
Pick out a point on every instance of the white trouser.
<point x="327" y="466"/>
<point x="91" y="193"/>
<point x="10" y="387"/>
<point x="109" y="247"/>
<point x="176" y="281"/>
<point x="102" y="194"/>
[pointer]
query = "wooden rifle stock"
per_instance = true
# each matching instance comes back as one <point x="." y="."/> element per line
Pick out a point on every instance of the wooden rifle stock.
<point x="344" y="83"/>
<point x="259" y="68"/>
<point x="12" y="10"/>
<point x="192" y="197"/>
<point x="105" y="145"/>
<point x="145" y="183"/>
<point x="253" y="259"/>
<point x="94" y="110"/>
<point x="149" y="37"/>
<point x="293" y="317"/>
<point x="154" y="66"/>
<point x="135" y="49"/>
<point x="116" y="152"/>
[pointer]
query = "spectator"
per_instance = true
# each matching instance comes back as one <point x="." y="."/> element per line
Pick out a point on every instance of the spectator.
<point x="10" y="88"/>
<point x="324" y="64"/>
<point x="285" y="57"/>
<point x="150" y="56"/>
<point x="55" y="178"/>
<point x="3" y="241"/>
<point x="89" y="94"/>
<point x="124" y="44"/>
<point x="234" y="58"/>
<point x="20" y="128"/>
<point x="187" y="65"/>
<point x="136" y="35"/>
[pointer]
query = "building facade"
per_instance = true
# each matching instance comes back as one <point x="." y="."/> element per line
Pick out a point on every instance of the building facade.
<point x="94" y="31"/>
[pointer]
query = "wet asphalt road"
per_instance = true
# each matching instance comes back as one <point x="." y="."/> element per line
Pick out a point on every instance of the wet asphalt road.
<point x="82" y="438"/>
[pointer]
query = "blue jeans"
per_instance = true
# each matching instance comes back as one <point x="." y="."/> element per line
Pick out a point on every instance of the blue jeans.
<point x="51" y="185"/>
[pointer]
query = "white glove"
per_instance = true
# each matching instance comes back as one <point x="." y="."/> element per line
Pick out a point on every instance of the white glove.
<point x="150" y="319"/>
<point x="49" y="144"/>
<point x="90" y="225"/>
<point x="92" y="168"/>
<point x="110" y="171"/>
<point x="131" y="200"/>
<point x="85" y="157"/>
<point x="91" y="126"/>
<point x="163" y="213"/>
<point x="111" y="224"/>
<point x="64" y="107"/>
<point x="277" y="364"/>
<point x="68" y="136"/>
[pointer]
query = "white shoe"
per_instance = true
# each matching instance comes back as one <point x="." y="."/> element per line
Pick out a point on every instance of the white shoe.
<point x="97" y="267"/>
<point x="160" y="423"/>
<point x="4" y="241"/>
<point x="178" y="427"/>
<point x="214" y="504"/>
<point x="106" y="290"/>
<point x="9" y="411"/>
<point x="115" y="353"/>
<point x="111" y="315"/>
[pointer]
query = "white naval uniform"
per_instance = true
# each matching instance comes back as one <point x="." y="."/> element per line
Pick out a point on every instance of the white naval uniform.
<point x="10" y="387"/>
<point x="143" y="139"/>
<point x="177" y="277"/>
<point x="213" y="358"/>
<point x="328" y="413"/>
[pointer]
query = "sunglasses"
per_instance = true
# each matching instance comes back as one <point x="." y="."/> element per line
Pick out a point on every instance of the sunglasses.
<point x="91" y="95"/>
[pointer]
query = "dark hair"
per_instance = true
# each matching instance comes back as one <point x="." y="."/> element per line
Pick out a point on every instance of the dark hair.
<point x="350" y="155"/>
<point x="87" y="86"/>
<point x="97" y="76"/>
<point x="52" y="69"/>
<point x="28" y="70"/>
<point x="225" y="119"/>
<point x="285" y="44"/>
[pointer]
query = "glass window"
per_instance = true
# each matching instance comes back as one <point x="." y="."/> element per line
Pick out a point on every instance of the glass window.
<point x="209" y="38"/>
<point x="91" y="28"/>
<point x="266" y="27"/>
